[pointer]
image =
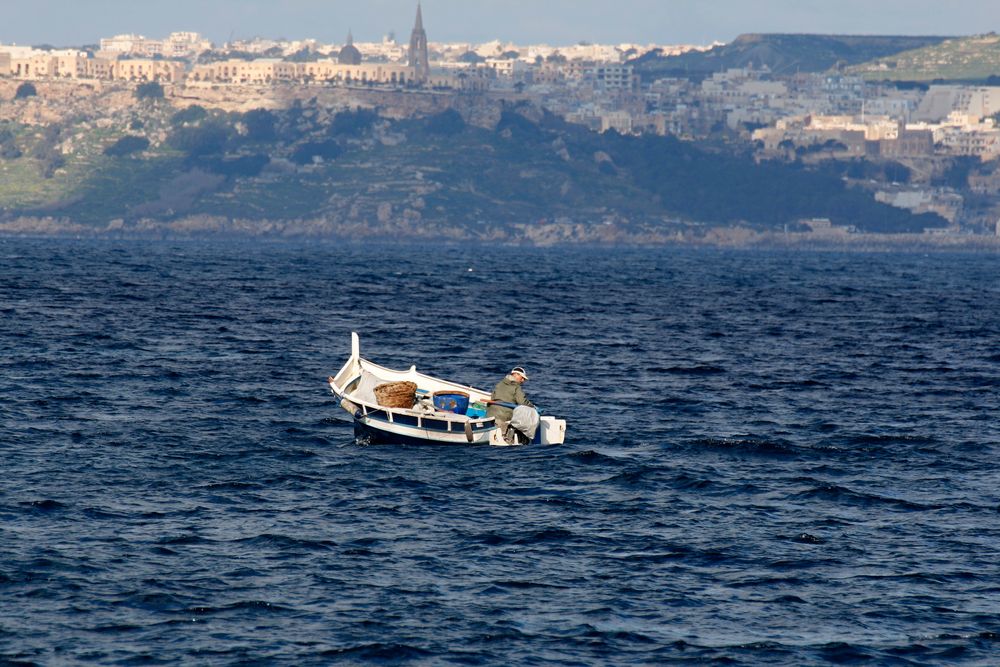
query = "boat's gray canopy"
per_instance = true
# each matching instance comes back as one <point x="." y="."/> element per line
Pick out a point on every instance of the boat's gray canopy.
<point x="366" y="388"/>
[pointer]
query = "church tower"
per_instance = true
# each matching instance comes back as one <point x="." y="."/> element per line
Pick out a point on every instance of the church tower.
<point x="419" y="60"/>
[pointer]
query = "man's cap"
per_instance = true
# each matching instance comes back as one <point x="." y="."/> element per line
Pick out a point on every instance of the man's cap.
<point x="520" y="371"/>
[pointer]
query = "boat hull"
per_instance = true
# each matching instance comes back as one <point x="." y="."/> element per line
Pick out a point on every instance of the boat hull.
<point x="369" y="431"/>
<point x="369" y="434"/>
<point x="389" y="427"/>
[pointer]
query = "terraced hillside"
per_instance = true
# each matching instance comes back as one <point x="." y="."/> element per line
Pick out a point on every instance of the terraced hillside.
<point x="963" y="59"/>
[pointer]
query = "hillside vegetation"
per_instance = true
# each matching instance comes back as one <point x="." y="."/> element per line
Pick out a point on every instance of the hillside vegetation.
<point x="357" y="173"/>
<point x="782" y="54"/>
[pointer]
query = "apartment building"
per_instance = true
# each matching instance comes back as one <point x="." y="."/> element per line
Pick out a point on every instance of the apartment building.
<point x="145" y="70"/>
<point x="177" y="45"/>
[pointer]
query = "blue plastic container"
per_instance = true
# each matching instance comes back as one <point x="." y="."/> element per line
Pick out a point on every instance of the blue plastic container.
<point x="476" y="411"/>
<point x="451" y="401"/>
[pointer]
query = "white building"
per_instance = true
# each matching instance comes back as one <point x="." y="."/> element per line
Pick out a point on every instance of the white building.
<point x="20" y="52"/>
<point x="940" y="101"/>
<point x="177" y="45"/>
<point x="620" y="121"/>
<point x="509" y="68"/>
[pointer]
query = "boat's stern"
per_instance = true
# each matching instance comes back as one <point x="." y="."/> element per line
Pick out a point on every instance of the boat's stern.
<point x="551" y="431"/>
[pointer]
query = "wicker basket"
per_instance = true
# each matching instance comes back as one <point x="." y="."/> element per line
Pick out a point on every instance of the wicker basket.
<point x="396" y="394"/>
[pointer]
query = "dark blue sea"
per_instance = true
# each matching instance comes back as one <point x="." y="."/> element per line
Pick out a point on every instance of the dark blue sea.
<point x="772" y="457"/>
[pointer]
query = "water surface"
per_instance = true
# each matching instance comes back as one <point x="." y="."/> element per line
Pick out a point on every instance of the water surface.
<point x="773" y="458"/>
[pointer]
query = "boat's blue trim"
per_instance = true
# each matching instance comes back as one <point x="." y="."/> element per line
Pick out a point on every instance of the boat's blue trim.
<point x="426" y="424"/>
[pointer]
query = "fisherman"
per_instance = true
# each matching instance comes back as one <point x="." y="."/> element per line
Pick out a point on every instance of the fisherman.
<point x="508" y="392"/>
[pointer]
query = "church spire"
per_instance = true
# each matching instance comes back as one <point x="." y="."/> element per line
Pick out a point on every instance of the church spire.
<point x="419" y="59"/>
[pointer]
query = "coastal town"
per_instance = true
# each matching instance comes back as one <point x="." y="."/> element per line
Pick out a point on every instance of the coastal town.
<point x="943" y="136"/>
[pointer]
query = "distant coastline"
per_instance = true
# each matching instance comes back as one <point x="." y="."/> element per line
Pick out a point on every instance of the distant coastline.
<point x="540" y="236"/>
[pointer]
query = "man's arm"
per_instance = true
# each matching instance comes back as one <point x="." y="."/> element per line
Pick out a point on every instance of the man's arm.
<point x="520" y="398"/>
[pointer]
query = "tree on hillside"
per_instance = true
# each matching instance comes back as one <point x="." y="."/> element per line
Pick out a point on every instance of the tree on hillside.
<point x="149" y="91"/>
<point x="260" y="125"/>
<point x="957" y="174"/>
<point x="8" y="145"/>
<point x="209" y="138"/>
<point x="353" y="123"/>
<point x="26" y="89"/>
<point x="519" y="127"/>
<point x="446" y="123"/>
<point x="47" y="152"/>
<point x="246" y="166"/>
<point x="326" y="150"/>
<point x="192" y="114"/>
<point x="127" y="145"/>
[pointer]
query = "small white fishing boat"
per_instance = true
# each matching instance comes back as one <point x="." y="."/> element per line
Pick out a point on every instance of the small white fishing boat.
<point x="443" y="413"/>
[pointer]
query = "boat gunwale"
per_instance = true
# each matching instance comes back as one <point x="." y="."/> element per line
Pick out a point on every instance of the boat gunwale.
<point x="366" y="406"/>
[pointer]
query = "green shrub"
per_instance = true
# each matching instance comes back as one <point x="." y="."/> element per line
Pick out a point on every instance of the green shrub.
<point x="149" y="91"/>
<point x="127" y="145"/>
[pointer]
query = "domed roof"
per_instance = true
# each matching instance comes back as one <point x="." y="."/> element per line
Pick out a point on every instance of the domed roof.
<point x="349" y="55"/>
